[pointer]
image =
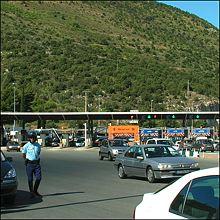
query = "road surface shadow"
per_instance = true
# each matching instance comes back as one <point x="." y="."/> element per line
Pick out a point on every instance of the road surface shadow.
<point x="60" y="194"/>
<point x="73" y="203"/>
<point x="165" y="181"/>
<point x="22" y="199"/>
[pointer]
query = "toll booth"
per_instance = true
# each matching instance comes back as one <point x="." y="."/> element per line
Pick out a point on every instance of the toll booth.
<point x="176" y="133"/>
<point x="202" y="132"/>
<point x="146" y="133"/>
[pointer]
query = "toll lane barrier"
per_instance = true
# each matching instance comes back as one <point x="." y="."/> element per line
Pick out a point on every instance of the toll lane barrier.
<point x="196" y="153"/>
<point x="189" y="152"/>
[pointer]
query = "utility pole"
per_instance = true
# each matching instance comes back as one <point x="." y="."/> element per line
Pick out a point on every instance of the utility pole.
<point x="14" y="105"/>
<point x="85" y="124"/>
<point x="151" y="105"/>
<point x="187" y="89"/>
<point x="99" y="108"/>
<point x="86" y="100"/>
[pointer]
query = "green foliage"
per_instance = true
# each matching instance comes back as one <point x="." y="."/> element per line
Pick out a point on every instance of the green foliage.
<point x="129" y="52"/>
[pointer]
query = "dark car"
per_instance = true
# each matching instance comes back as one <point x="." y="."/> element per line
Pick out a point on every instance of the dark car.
<point x="203" y="145"/>
<point x="153" y="161"/>
<point x="9" y="181"/>
<point x="111" y="148"/>
<point x="13" y="145"/>
<point x="97" y="142"/>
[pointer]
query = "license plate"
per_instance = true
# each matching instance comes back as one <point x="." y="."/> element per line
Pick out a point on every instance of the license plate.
<point x="182" y="171"/>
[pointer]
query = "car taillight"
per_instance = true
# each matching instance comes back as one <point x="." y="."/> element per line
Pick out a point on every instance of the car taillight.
<point x="133" y="217"/>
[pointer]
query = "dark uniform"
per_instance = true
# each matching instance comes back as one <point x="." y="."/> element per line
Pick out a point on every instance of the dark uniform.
<point x="31" y="153"/>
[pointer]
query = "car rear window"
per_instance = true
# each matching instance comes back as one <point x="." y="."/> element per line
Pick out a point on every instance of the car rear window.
<point x="120" y="143"/>
<point x="164" y="142"/>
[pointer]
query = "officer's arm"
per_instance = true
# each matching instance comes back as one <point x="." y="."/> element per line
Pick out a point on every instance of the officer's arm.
<point x="24" y="151"/>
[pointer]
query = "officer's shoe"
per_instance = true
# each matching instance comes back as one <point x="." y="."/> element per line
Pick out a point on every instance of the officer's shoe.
<point x="32" y="195"/>
<point x="38" y="194"/>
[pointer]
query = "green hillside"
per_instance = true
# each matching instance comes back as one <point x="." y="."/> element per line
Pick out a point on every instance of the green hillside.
<point x="124" y="53"/>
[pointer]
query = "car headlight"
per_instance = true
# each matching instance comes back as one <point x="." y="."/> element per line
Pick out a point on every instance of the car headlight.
<point x="115" y="151"/>
<point x="164" y="166"/>
<point x="11" y="174"/>
<point x="194" y="165"/>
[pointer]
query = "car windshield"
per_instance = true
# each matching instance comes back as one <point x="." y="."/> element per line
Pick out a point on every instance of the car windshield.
<point x="80" y="141"/>
<point x="161" y="151"/>
<point x="206" y="141"/>
<point x="118" y="143"/>
<point x="167" y="142"/>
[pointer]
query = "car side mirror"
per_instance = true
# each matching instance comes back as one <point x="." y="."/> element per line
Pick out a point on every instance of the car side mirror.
<point x="10" y="159"/>
<point x="140" y="157"/>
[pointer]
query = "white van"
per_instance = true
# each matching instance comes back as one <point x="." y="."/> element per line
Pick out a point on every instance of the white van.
<point x="201" y="138"/>
<point x="160" y="141"/>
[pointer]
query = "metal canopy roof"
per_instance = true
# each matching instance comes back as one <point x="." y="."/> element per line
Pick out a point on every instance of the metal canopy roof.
<point x="34" y="116"/>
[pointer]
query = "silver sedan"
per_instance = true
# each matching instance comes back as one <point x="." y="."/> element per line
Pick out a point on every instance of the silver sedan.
<point x="153" y="162"/>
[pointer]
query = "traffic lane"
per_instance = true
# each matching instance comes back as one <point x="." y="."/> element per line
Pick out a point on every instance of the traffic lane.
<point x="207" y="162"/>
<point x="100" y="197"/>
<point x="78" y="185"/>
<point x="93" y="189"/>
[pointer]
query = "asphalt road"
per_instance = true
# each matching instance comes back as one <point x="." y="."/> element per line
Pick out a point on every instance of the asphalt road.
<point x="76" y="184"/>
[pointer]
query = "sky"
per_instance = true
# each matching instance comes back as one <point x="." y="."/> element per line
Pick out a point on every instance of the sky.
<point x="207" y="10"/>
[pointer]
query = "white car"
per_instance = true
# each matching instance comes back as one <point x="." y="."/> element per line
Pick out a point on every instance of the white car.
<point x="195" y="195"/>
<point x="160" y="141"/>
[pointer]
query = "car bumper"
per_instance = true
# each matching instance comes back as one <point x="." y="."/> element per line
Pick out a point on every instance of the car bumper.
<point x="8" y="187"/>
<point x="163" y="174"/>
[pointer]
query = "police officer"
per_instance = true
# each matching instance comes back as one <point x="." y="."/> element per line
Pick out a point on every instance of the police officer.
<point x="31" y="154"/>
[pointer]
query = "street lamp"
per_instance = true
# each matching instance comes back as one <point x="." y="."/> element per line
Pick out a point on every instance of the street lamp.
<point x="86" y="100"/>
<point x="86" y="105"/>
<point x="99" y="107"/>
<point x="151" y="105"/>
<point x="14" y="105"/>
<point x="85" y="126"/>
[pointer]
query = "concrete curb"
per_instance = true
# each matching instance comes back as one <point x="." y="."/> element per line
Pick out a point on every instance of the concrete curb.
<point x="69" y="148"/>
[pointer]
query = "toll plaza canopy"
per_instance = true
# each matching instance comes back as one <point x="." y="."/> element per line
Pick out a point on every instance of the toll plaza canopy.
<point x="34" y="116"/>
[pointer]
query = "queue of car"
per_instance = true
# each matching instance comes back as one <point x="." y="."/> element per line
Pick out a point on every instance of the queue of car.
<point x="194" y="193"/>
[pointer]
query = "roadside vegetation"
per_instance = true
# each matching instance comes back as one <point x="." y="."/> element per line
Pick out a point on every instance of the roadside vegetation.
<point x="125" y="54"/>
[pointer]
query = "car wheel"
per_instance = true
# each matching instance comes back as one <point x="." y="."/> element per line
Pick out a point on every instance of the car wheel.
<point x="100" y="156"/>
<point x="110" y="157"/>
<point x="9" y="199"/>
<point x="121" y="172"/>
<point x="150" y="175"/>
